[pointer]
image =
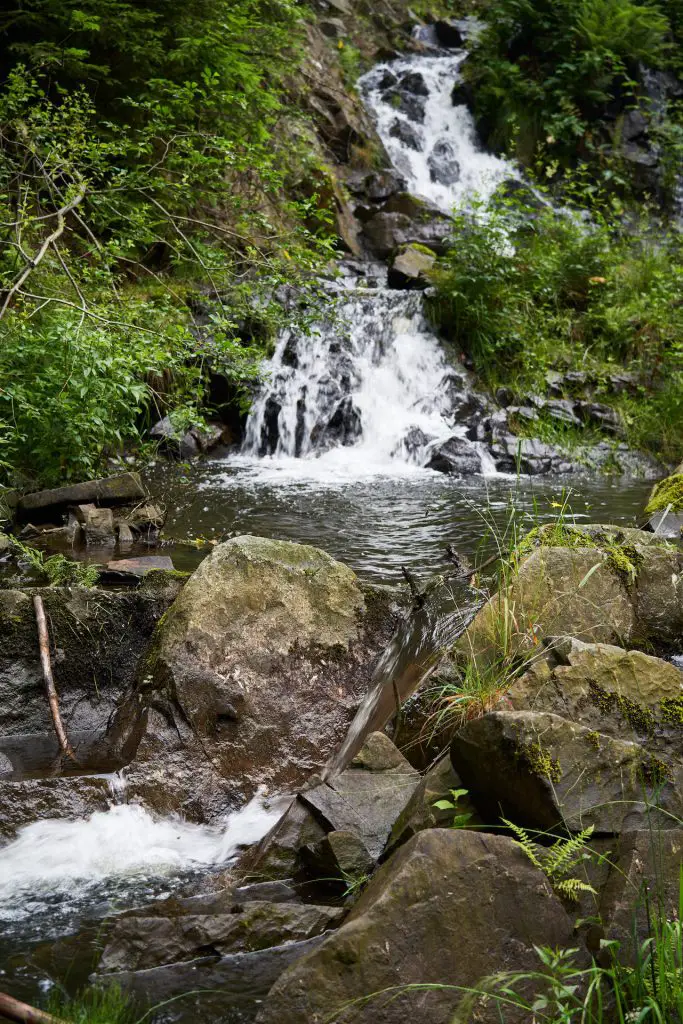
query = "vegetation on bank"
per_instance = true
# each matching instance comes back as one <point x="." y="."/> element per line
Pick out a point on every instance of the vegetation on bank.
<point x="150" y="173"/>
<point x="534" y="295"/>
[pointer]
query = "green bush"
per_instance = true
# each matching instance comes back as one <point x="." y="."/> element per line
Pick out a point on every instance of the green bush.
<point x="524" y="296"/>
<point x="544" y="69"/>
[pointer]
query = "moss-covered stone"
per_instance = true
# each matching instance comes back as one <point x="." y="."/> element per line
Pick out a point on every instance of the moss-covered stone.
<point x="667" y="493"/>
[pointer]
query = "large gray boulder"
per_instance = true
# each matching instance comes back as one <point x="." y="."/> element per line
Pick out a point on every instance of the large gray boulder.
<point x="253" y="675"/>
<point x="547" y="772"/>
<point x="422" y="921"/>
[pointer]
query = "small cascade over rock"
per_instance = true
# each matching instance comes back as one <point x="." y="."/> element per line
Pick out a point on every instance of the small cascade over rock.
<point x="369" y="387"/>
<point x="428" y="131"/>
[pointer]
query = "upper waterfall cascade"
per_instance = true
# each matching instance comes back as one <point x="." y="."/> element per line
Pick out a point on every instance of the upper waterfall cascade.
<point x="369" y="389"/>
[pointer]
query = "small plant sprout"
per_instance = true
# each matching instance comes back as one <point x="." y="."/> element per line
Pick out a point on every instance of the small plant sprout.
<point x="460" y="818"/>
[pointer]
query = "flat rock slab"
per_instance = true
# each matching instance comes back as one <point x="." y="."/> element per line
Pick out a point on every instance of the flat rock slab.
<point x="111" y="490"/>
<point x="420" y="922"/>
<point x="139" y="566"/>
<point x="226" y="990"/>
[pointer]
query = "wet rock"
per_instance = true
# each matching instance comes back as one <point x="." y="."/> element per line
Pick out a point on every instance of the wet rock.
<point x="414" y="441"/>
<point x="448" y="34"/>
<point x="347" y="855"/>
<point x="124" y="534"/>
<point x="97" y="637"/>
<point x="142" y="565"/>
<point x="112" y="490"/>
<point x="406" y="134"/>
<point x="292" y="839"/>
<point x="456" y="456"/>
<point x="270" y="430"/>
<point x="377" y="185"/>
<point x="344" y="427"/>
<point x="280" y="891"/>
<point x="97" y="524"/>
<point x="209" y="986"/>
<point x="547" y="772"/>
<point x="668" y="525"/>
<point x="417" y="923"/>
<point x="409" y="104"/>
<point x="255" y="673"/>
<point x="410" y="267"/>
<point x="528" y="455"/>
<point x="27" y="800"/>
<point x="175" y="930"/>
<point x="443" y="166"/>
<point x="602" y="416"/>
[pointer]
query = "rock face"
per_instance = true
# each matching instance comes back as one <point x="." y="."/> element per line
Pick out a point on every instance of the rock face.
<point x="97" y="639"/>
<point x="254" y="673"/>
<point x="419" y="922"/>
<point x="172" y="931"/>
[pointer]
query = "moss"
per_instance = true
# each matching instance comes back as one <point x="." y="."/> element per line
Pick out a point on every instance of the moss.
<point x="419" y="247"/>
<point x="554" y="535"/>
<point x="671" y="711"/>
<point x="540" y="762"/>
<point x="655" y="772"/>
<point x="625" y="560"/>
<point x="594" y="739"/>
<point x="640" y="718"/>
<point x="668" y="492"/>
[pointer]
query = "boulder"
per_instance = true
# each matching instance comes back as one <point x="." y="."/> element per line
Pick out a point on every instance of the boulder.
<point x="668" y="525"/>
<point x="112" y="490"/>
<point x="420" y="812"/>
<point x="443" y="165"/>
<point x="644" y="881"/>
<point x="448" y="34"/>
<point x="456" y="456"/>
<point x="599" y="584"/>
<point x="667" y="495"/>
<point x="547" y="772"/>
<point x="174" y="930"/>
<point x="410" y="267"/>
<point x="419" y="923"/>
<point x="253" y="675"/>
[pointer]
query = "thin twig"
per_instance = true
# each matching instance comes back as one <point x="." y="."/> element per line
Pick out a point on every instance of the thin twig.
<point x="44" y="641"/>
<point x="51" y="238"/>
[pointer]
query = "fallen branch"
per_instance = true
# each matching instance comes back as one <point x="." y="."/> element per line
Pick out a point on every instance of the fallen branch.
<point x="52" y="697"/>
<point x="12" y="1009"/>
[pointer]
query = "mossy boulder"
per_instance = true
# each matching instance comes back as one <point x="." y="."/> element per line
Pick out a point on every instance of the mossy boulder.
<point x="599" y="584"/>
<point x="253" y="675"/>
<point x="667" y="494"/>
<point x="447" y="909"/>
<point x="547" y="772"/>
<point x="411" y="266"/>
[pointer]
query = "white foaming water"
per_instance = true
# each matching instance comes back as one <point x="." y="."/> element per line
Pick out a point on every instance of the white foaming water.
<point x="437" y="152"/>
<point x="60" y="858"/>
<point x="362" y="395"/>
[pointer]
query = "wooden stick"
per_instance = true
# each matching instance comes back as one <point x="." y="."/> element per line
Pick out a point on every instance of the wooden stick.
<point x="52" y="697"/>
<point x="12" y="1009"/>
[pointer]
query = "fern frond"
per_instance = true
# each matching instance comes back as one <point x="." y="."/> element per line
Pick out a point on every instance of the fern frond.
<point x="571" y="887"/>
<point x="524" y="841"/>
<point x="564" y="854"/>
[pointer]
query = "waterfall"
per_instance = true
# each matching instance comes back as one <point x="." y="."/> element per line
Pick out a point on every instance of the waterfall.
<point x="431" y="140"/>
<point x="368" y="390"/>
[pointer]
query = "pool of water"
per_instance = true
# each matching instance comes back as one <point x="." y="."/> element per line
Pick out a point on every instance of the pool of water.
<point x="377" y="524"/>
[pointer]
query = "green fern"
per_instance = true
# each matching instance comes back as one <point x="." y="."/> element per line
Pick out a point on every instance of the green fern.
<point x="558" y="860"/>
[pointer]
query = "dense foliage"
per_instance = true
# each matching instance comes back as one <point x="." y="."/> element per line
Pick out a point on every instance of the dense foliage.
<point x="545" y="70"/>
<point x="143" y="166"/>
<point x="554" y="292"/>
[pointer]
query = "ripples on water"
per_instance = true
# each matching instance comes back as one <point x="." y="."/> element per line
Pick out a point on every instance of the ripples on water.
<point x="378" y="524"/>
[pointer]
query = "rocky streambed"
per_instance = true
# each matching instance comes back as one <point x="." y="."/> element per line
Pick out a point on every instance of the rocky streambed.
<point x="287" y="884"/>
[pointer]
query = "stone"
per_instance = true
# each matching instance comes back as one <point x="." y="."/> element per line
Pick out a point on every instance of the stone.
<point x="420" y="812"/>
<point x="124" y="534"/>
<point x="443" y="165"/>
<point x="278" y="891"/>
<point x="387" y="230"/>
<point x="97" y="524"/>
<point x="282" y="852"/>
<point x="405" y="133"/>
<point x="174" y="930"/>
<point x="259" y="667"/>
<point x="27" y="800"/>
<point x="142" y="565"/>
<point x="365" y="801"/>
<point x="456" y="456"/>
<point x="410" y="267"/>
<point x="409" y="104"/>
<point x="419" y="923"/>
<point x="333" y="28"/>
<point x="547" y="772"/>
<point x="112" y="490"/>
<point x="602" y="416"/>
<point x="645" y="874"/>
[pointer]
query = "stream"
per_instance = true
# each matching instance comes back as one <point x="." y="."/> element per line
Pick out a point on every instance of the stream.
<point x="334" y="455"/>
